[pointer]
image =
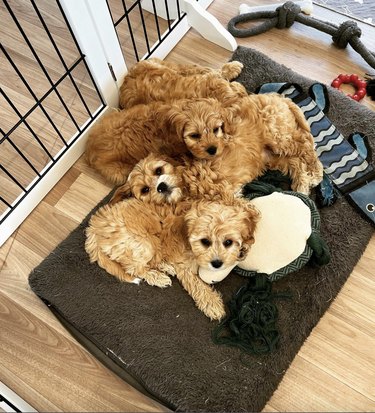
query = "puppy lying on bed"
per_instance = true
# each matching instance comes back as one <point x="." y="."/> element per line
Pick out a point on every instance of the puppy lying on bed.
<point x="121" y="139"/>
<point x="152" y="237"/>
<point x="264" y="132"/>
<point x="157" y="80"/>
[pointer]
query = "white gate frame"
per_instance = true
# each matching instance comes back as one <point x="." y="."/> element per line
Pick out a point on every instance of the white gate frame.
<point x="79" y="17"/>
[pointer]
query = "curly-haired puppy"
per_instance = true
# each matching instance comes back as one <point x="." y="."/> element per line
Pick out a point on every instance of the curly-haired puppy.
<point x="131" y="239"/>
<point x="155" y="179"/>
<point x="261" y="132"/>
<point x="119" y="140"/>
<point x="162" y="180"/>
<point x="156" y="80"/>
<point x="269" y="132"/>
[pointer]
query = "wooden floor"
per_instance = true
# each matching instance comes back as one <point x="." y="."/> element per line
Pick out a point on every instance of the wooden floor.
<point x="41" y="362"/>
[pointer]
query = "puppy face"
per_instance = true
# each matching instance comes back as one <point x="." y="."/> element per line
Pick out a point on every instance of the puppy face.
<point x="220" y="235"/>
<point x="200" y="123"/>
<point x="154" y="179"/>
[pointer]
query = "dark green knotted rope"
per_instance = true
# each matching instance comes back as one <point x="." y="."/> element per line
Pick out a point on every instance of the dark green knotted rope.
<point x="284" y="16"/>
<point x="251" y="321"/>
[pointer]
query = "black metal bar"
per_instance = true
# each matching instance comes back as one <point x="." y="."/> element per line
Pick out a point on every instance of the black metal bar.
<point x="127" y="11"/>
<point x="32" y="93"/>
<point x="7" y="204"/>
<point x="12" y="178"/>
<point x="27" y="125"/>
<point x="166" y="35"/>
<point x="37" y="104"/>
<point x="15" y="147"/>
<point x="178" y="7"/>
<point x="48" y="168"/>
<point x="130" y="29"/>
<point x="39" y="62"/>
<point x="110" y="12"/>
<point x="11" y="405"/>
<point x="60" y="56"/>
<point x="144" y="28"/>
<point x="167" y="11"/>
<point x="80" y="53"/>
<point x="156" y="20"/>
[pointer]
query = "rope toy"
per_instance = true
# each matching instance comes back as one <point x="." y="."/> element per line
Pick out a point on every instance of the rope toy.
<point x="284" y="16"/>
<point x="251" y="323"/>
<point x="359" y="84"/>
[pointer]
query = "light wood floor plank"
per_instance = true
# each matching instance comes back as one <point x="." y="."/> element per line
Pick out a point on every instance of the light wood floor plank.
<point x="56" y="363"/>
<point x="307" y="388"/>
<point x="352" y="363"/>
<point x="94" y="192"/>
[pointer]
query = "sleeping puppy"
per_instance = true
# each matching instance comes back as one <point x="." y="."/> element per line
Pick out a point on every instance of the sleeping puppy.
<point x="157" y="80"/>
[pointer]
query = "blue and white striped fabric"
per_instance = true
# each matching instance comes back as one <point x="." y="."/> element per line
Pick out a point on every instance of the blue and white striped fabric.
<point x="340" y="160"/>
<point x="343" y="164"/>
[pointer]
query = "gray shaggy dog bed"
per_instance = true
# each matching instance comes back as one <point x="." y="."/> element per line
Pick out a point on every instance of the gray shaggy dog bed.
<point x="159" y="341"/>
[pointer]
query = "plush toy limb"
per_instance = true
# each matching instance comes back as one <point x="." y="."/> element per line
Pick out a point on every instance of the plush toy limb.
<point x="321" y="254"/>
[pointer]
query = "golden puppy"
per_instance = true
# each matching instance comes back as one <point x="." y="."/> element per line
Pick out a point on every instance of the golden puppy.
<point x="161" y="180"/>
<point x="269" y="132"/>
<point x="119" y="140"/>
<point x="257" y="133"/>
<point x="132" y="239"/>
<point x="156" y="80"/>
<point x="154" y="179"/>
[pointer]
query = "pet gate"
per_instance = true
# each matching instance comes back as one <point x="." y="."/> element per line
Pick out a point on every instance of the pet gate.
<point x="62" y="63"/>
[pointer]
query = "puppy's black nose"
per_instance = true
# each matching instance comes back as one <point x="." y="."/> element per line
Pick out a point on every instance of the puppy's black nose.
<point x="211" y="150"/>
<point x="162" y="187"/>
<point x="216" y="263"/>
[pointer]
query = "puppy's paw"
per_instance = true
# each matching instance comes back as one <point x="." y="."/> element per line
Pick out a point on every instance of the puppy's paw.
<point x="317" y="175"/>
<point x="215" y="312"/>
<point x="231" y="70"/>
<point x="157" y="279"/>
<point x="167" y="268"/>
<point x="214" y="307"/>
<point x="303" y="188"/>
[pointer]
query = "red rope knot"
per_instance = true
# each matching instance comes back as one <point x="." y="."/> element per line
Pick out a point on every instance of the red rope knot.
<point x="287" y="14"/>
<point x="346" y="32"/>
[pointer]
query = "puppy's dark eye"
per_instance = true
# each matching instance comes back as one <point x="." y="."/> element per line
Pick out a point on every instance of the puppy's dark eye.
<point x="159" y="171"/>
<point x="145" y="190"/>
<point x="206" y="242"/>
<point x="227" y="243"/>
<point x="195" y="136"/>
<point x="216" y="130"/>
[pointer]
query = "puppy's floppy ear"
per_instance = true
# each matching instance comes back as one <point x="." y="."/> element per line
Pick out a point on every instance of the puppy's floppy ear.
<point x="250" y="220"/>
<point x="191" y="216"/>
<point x="122" y="192"/>
<point x="177" y="119"/>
